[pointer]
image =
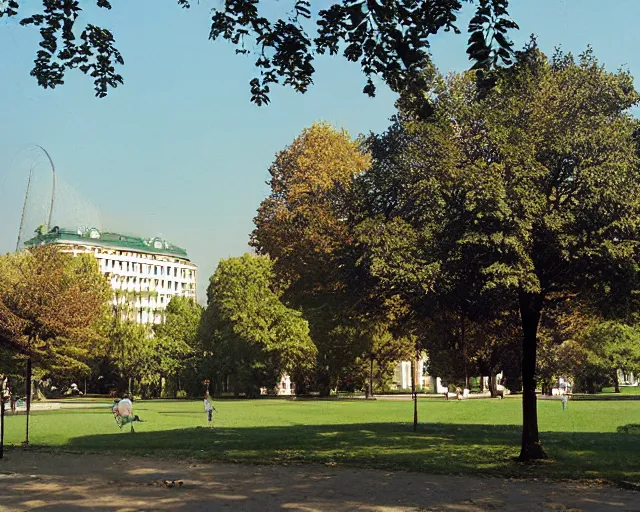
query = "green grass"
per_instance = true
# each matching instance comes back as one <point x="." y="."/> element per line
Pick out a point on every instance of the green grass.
<point x="479" y="437"/>
<point x="624" y="390"/>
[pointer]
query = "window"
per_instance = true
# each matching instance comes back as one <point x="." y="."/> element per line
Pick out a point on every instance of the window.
<point x="169" y="285"/>
<point x="175" y="272"/>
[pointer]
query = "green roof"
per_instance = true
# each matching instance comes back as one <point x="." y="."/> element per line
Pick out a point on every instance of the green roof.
<point x="91" y="236"/>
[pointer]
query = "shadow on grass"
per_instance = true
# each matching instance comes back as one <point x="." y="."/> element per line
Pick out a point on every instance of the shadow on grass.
<point x="435" y="448"/>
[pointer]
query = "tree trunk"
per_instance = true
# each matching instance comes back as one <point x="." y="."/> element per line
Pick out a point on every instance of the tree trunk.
<point x="28" y="386"/>
<point x="493" y="385"/>
<point x="616" y="383"/>
<point x="371" y="377"/>
<point x="530" y="308"/>
<point x="414" y="394"/>
<point x="464" y="352"/>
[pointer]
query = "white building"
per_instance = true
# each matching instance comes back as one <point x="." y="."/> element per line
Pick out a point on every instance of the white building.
<point x="143" y="272"/>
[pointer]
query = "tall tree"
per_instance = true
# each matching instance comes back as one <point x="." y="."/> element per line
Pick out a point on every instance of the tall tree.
<point x="301" y="226"/>
<point x="178" y="339"/>
<point x="388" y="39"/>
<point x="49" y="304"/>
<point x="526" y="190"/>
<point x="247" y="327"/>
<point x="136" y="354"/>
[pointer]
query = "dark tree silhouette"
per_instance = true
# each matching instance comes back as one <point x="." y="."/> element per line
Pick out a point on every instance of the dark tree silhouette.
<point x="390" y="39"/>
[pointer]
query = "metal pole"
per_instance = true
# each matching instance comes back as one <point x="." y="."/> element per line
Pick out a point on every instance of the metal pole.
<point x="26" y="442"/>
<point x="2" y="393"/>
<point x="414" y="394"/>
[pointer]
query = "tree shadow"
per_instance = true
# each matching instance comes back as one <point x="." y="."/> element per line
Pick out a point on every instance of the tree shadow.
<point x="630" y="429"/>
<point x="486" y="450"/>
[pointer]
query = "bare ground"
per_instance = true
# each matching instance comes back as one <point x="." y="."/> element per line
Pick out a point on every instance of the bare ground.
<point x="69" y="482"/>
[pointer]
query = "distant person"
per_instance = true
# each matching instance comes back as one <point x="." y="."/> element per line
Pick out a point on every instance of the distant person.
<point x="5" y="393"/>
<point x="208" y="408"/>
<point x="565" y="399"/>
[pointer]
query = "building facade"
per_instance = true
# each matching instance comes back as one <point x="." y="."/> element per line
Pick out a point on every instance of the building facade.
<point x="144" y="273"/>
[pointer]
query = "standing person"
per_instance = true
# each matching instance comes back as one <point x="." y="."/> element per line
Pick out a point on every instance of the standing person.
<point x="13" y="398"/>
<point x="208" y="407"/>
<point x="5" y="391"/>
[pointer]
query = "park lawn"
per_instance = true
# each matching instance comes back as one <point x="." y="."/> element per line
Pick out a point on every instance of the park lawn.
<point x="479" y="437"/>
<point x="624" y="390"/>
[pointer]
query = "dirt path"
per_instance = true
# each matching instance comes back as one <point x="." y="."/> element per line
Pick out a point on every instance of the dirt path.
<point x="65" y="482"/>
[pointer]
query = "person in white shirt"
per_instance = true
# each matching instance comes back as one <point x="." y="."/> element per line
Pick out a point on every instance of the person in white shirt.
<point x="208" y="407"/>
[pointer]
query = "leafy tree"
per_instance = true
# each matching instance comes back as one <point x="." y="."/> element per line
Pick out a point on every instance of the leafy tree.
<point x="510" y="197"/>
<point x="614" y="346"/>
<point x="177" y="339"/>
<point x="49" y="305"/>
<point x="389" y="39"/>
<point x="302" y="227"/>
<point x="384" y="351"/>
<point x="135" y="352"/>
<point x="298" y="224"/>
<point x="561" y="351"/>
<point x="253" y="335"/>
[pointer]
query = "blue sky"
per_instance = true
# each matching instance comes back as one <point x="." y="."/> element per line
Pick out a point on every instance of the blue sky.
<point x="180" y="151"/>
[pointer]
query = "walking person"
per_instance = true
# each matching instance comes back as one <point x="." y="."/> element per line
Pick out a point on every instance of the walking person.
<point x="208" y="407"/>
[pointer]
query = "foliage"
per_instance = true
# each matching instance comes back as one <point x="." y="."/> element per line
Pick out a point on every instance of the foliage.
<point x="298" y="224"/>
<point x="50" y="306"/>
<point x="301" y="226"/>
<point x="177" y="339"/>
<point x="135" y="352"/>
<point x="383" y="353"/>
<point x="575" y="342"/>
<point x="152" y="360"/>
<point x="389" y="39"/>
<point x="613" y="346"/>
<point x="253" y="336"/>
<point x="509" y="198"/>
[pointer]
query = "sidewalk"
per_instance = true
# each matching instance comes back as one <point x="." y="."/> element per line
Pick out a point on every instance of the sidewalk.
<point x="32" y="480"/>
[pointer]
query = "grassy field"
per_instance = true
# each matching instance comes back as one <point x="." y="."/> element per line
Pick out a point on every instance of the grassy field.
<point x="480" y="437"/>
<point x="624" y="390"/>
